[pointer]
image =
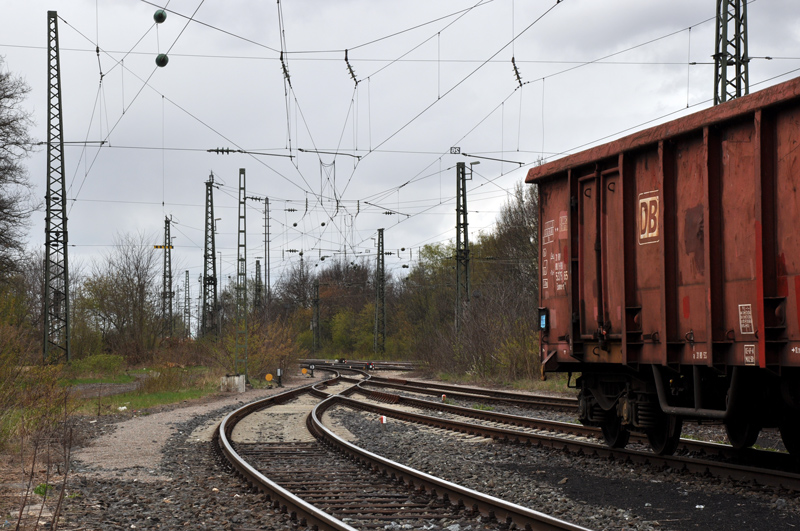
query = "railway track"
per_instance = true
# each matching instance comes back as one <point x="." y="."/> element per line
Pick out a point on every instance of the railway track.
<point x="324" y="481"/>
<point x="451" y="391"/>
<point x="762" y="467"/>
<point x="361" y="365"/>
<point x="475" y="393"/>
<point x="328" y="483"/>
<point x="687" y="447"/>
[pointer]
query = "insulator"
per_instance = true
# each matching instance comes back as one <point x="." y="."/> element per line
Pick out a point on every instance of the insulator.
<point x="160" y="16"/>
<point x="162" y="60"/>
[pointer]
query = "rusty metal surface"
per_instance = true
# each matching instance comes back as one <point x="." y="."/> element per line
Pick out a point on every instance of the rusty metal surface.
<point x="678" y="244"/>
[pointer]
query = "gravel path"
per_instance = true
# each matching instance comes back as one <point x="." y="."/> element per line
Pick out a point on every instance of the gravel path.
<point x="158" y="471"/>
<point x="134" y="449"/>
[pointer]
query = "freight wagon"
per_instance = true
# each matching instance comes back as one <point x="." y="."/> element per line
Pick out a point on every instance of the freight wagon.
<point x="670" y="274"/>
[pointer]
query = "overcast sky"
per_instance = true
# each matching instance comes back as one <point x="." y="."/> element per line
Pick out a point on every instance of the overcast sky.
<point x="376" y="154"/>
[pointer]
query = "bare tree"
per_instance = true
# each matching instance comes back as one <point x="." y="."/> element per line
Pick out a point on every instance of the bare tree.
<point x="16" y="200"/>
<point x="513" y="248"/>
<point x="125" y="294"/>
<point x="347" y="283"/>
<point x="296" y="288"/>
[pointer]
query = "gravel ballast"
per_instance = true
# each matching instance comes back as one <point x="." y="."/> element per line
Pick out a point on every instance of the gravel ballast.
<point x="158" y="471"/>
<point x="587" y="491"/>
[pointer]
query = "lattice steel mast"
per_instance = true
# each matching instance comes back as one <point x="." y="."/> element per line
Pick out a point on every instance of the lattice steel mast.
<point x="167" y="294"/>
<point x="56" y="344"/>
<point x="257" y="301"/>
<point x="210" y="304"/>
<point x="315" y="344"/>
<point x="266" y="254"/>
<point x="462" y="245"/>
<point x="241" y="281"/>
<point x="187" y="312"/>
<point x="731" y="72"/>
<point x="379" y="345"/>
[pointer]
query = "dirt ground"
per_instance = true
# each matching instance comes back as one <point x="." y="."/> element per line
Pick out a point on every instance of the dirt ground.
<point x="16" y="479"/>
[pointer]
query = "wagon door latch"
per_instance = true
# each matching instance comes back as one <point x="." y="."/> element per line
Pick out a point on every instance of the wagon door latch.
<point x="602" y="338"/>
<point x="689" y="337"/>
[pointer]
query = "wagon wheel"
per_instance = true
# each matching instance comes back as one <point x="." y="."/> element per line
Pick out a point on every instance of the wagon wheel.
<point x="790" y="434"/>
<point x="615" y="434"/>
<point x="742" y="434"/>
<point x="664" y="437"/>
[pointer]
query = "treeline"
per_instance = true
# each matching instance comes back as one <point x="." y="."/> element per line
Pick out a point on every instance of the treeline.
<point x="116" y="307"/>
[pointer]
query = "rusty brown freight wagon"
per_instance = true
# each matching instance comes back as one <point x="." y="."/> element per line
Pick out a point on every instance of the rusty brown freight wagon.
<point x="670" y="273"/>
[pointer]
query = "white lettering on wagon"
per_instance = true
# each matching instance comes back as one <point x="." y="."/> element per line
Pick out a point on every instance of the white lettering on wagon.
<point x="746" y="319"/>
<point x="649" y="212"/>
<point x="749" y="354"/>
<point x="563" y="225"/>
<point x="549" y="232"/>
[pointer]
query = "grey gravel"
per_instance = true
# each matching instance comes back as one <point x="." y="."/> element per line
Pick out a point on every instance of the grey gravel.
<point x="185" y="486"/>
<point x="588" y="491"/>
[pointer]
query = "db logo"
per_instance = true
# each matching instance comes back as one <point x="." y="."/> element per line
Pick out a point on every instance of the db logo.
<point x="648" y="217"/>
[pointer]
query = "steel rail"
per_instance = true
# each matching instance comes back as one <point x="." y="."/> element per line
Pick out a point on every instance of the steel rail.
<point x="308" y="514"/>
<point x="775" y="478"/>
<point x="468" y="389"/>
<point x="474" y="393"/>
<point x="776" y="460"/>
<point x="359" y="364"/>
<point x="490" y="416"/>
<point x="462" y="496"/>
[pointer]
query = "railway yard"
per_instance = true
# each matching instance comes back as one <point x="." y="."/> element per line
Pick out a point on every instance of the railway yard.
<point x="505" y="460"/>
<point x="647" y="266"/>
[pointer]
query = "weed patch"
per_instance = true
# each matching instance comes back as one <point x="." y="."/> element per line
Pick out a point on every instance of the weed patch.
<point x="98" y="364"/>
<point x="42" y="489"/>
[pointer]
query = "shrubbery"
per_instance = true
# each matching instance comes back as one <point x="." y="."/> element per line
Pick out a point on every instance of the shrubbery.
<point x="99" y="365"/>
<point x="270" y="346"/>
